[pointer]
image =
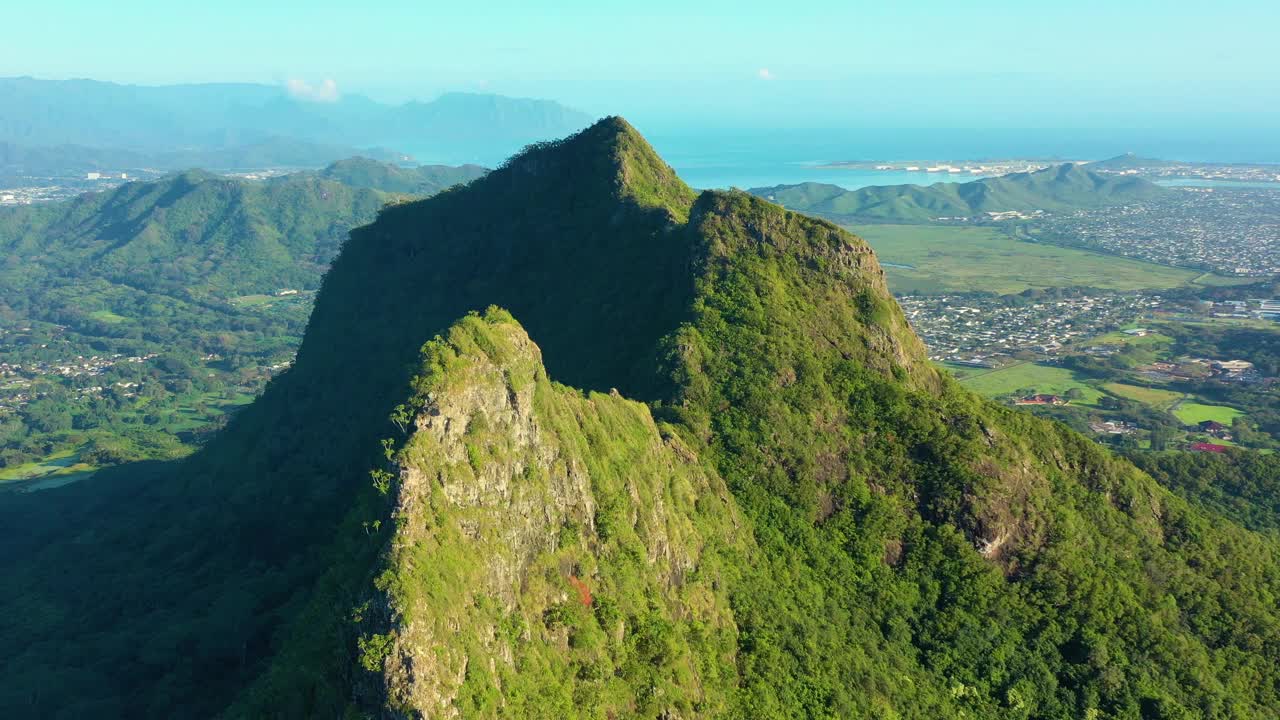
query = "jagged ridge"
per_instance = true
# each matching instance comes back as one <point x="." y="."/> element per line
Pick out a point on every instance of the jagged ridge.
<point x="538" y="528"/>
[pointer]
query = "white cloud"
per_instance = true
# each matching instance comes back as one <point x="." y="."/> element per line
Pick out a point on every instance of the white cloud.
<point x="765" y="74"/>
<point x="326" y="91"/>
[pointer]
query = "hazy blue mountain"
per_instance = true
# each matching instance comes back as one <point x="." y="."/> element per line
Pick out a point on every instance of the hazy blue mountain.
<point x="362" y="172"/>
<point x="1129" y="161"/>
<point x="18" y="162"/>
<point x="453" y="127"/>
<point x="1059" y="188"/>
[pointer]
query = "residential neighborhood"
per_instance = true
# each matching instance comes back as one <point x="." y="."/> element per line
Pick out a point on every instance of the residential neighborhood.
<point x="1231" y="231"/>
<point x="984" y="331"/>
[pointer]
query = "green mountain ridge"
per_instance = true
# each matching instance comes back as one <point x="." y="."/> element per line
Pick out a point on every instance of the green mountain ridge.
<point x="204" y="230"/>
<point x="18" y="163"/>
<point x="802" y="519"/>
<point x="1129" y="161"/>
<point x="187" y="268"/>
<point x="364" y="172"/>
<point x="207" y="234"/>
<point x="1056" y="189"/>
<point x="583" y="510"/>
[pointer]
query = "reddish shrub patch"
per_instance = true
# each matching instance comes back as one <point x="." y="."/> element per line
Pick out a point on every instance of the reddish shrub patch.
<point x="584" y="592"/>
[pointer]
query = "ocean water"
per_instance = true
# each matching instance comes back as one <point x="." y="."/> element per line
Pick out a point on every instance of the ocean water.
<point x="747" y="159"/>
<point x="723" y="175"/>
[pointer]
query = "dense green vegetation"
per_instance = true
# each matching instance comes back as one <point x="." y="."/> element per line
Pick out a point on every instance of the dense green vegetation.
<point x="554" y="518"/>
<point x="966" y="475"/>
<point x="421" y="180"/>
<point x="142" y="314"/>
<point x="1064" y="187"/>
<point x="1244" y="486"/>
<point x="856" y="534"/>
<point x="193" y="236"/>
<point x="550" y="220"/>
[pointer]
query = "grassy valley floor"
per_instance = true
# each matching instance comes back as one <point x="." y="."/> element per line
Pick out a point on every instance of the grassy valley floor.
<point x="923" y="259"/>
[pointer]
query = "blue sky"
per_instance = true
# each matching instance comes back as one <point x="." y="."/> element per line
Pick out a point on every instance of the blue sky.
<point x="988" y="63"/>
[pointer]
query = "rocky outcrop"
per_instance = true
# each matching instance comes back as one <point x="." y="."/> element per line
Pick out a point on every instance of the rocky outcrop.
<point x="541" y="538"/>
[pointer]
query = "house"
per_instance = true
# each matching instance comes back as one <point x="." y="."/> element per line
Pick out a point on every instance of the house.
<point x="1040" y="400"/>
<point x="1138" y="332"/>
<point x="1232" y="366"/>
<point x="1208" y="447"/>
<point x="1215" y="428"/>
<point x="1112" y="427"/>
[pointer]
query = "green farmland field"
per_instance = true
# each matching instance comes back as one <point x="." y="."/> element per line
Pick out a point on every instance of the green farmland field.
<point x="1026" y="376"/>
<point x="57" y="469"/>
<point x="1193" y="413"/>
<point x="1155" y="397"/>
<point x="933" y="259"/>
<point x="107" y="316"/>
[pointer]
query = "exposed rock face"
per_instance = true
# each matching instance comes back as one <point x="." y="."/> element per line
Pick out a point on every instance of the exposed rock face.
<point x="734" y="229"/>
<point x="539" y="533"/>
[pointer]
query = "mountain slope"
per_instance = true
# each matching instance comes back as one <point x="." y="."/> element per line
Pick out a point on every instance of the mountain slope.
<point x="192" y="234"/>
<point x="890" y="545"/>
<point x="198" y="235"/>
<point x="421" y="180"/>
<point x="185" y="270"/>
<point x="1129" y="161"/>
<point x="18" y="163"/>
<point x="578" y="237"/>
<point x="554" y="521"/>
<point x="1055" y="189"/>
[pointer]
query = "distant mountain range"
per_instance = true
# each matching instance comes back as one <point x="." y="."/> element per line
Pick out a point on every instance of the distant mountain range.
<point x="456" y="127"/>
<point x="18" y="162"/>
<point x="1059" y="188"/>
<point x="200" y="237"/>
<point x="1130" y="161"/>
<point x="362" y="172"/>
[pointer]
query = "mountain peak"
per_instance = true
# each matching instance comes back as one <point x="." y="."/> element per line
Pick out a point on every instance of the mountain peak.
<point x="1129" y="161"/>
<point x="611" y="154"/>
<point x="529" y="490"/>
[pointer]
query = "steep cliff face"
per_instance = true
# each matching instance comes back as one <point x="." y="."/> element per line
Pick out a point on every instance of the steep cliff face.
<point x="553" y="553"/>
